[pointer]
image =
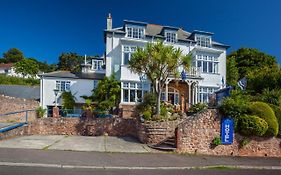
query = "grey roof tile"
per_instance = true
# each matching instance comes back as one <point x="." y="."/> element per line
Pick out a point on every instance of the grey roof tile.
<point x="19" y="91"/>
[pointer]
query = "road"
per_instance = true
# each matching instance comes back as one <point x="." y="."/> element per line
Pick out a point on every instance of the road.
<point x="31" y="161"/>
<point x="8" y="170"/>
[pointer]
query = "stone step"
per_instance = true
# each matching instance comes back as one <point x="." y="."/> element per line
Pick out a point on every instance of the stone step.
<point x="163" y="147"/>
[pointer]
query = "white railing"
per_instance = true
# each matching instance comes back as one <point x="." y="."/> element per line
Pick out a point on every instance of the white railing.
<point x="194" y="72"/>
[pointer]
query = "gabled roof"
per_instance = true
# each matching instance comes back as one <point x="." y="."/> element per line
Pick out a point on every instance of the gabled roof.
<point x="157" y="31"/>
<point x="67" y="74"/>
<point x="61" y="74"/>
<point x="6" y="66"/>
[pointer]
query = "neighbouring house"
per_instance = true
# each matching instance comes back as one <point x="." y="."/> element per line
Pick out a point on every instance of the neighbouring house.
<point x="9" y="70"/>
<point x="80" y="84"/>
<point x="206" y="75"/>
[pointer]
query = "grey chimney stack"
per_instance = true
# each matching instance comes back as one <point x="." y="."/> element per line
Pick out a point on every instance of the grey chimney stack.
<point x="109" y="22"/>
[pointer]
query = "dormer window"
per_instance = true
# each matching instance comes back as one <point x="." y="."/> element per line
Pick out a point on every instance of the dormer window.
<point x="135" y="32"/>
<point x="203" y="41"/>
<point x="97" y="64"/>
<point x="171" y="37"/>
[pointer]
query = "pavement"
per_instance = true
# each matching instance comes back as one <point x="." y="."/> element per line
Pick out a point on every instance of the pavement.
<point x="77" y="143"/>
<point x="110" y="155"/>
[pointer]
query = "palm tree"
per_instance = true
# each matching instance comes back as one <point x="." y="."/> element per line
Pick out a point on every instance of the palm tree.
<point x="158" y="62"/>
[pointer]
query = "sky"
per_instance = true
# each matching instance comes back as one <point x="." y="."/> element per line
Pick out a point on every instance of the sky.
<point x="43" y="29"/>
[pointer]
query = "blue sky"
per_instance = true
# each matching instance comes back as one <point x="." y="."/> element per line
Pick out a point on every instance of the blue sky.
<point x="43" y="29"/>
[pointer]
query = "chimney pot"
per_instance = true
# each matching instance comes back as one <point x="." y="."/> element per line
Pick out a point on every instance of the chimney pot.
<point x="109" y="22"/>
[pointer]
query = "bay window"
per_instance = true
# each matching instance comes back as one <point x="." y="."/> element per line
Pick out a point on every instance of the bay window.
<point x="204" y="92"/>
<point x="207" y="63"/>
<point x="134" y="92"/>
<point x="127" y="53"/>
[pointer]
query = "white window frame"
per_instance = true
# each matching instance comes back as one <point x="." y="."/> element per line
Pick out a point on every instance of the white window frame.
<point x="97" y="64"/>
<point x="205" y="59"/>
<point x="170" y="37"/>
<point x="205" y="90"/>
<point x="203" y="40"/>
<point x="134" y="86"/>
<point x="61" y="87"/>
<point x="135" y="32"/>
<point x="130" y="50"/>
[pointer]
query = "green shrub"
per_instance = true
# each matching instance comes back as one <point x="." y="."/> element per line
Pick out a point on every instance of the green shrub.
<point x="216" y="141"/>
<point x="163" y="110"/>
<point x="244" y="142"/>
<point x="277" y="111"/>
<point x="149" y="101"/>
<point x="252" y="125"/>
<point x="197" y="107"/>
<point x="146" y="115"/>
<point x="265" y="112"/>
<point x="68" y="100"/>
<point x="40" y="111"/>
<point x="271" y="96"/>
<point x="9" y="80"/>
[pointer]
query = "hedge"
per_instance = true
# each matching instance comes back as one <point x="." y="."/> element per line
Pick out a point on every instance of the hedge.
<point x="252" y="125"/>
<point x="265" y="112"/>
<point x="277" y="111"/>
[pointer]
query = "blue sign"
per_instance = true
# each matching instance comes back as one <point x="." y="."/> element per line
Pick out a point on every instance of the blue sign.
<point x="227" y="130"/>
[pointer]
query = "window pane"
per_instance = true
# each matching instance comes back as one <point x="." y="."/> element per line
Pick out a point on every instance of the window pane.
<point x="67" y="86"/>
<point x="199" y="64"/>
<point x="139" y="86"/>
<point x="132" y="95"/>
<point x="176" y="98"/>
<point x="139" y="96"/>
<point x="62" y="86"/>
<point x="125" y="84"/>
<point x="125" y="95"/>
<point x="129" y="32"/>
<point x="204" y="66"/>
<point x="216" y="68"/>
<point x="126" y="49"/>
<point x="133" y="85"/>
<point x="126" y="57"/>
<point x="58" y="85"/>
<point x="210" y="67"/>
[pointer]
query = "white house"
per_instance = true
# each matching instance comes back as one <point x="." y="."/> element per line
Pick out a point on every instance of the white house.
<point x="9" y="70"/>
<point x="206" y="75"/>
<point x="80" y="84"/>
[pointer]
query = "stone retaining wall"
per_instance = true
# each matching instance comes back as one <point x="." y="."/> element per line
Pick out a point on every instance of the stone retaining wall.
<point x="20" y="131"/>
<point x="195" y="135"/>
<point x="75" y="126"/>
<point x="12" y="104"/>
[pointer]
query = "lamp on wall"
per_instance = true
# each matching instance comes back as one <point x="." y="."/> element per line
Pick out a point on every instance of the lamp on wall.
<point x="56" y="91"/>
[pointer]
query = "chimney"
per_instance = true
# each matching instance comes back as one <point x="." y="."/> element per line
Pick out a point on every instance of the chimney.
<point x="109" y="22"/>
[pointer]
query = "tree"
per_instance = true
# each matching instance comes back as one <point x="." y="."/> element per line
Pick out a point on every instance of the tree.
<point x="68" y="100"/>
<point x="70" y="62"/>
<point x="26" y="67"/>
<point x="107" y="94"/>
<point x="158" y="62"/>
<point x="232" y="74"/>
<point x="249" y="59"/>
<point x="13" y="55"/>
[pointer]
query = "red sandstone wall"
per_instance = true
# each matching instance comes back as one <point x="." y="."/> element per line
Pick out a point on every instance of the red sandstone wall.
<point x="11" y="104"/>
<point x="76" y="126"/>
<point x="195" y="135"/>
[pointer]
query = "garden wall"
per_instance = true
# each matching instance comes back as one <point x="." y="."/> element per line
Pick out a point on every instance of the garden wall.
<point x="196" y="133"/>
<point x="88" y="127"/>
<point x="12" y="104"/>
